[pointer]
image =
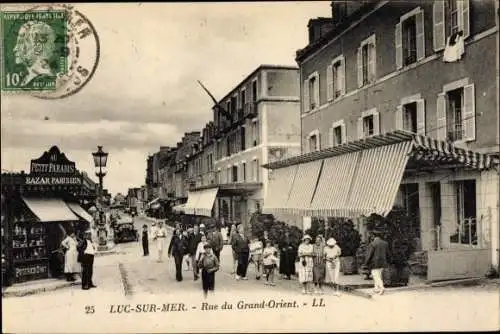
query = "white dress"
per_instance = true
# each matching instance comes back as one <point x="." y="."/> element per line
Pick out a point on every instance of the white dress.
<point x="71" y="264"/>
<point x="161" y="235"/>
<point x="305" y="272"/>
<point x="332" y="255"/>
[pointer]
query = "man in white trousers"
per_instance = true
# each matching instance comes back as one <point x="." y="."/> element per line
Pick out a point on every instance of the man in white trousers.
<point x="377" y="259"/>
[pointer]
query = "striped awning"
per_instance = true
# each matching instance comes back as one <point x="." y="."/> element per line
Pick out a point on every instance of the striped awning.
<point x="280" y="185"/>
<point x="333" y="186"/>
<point x="192" y="201"/>
<point x="376" y="180"/>
<point x="50" y="209"/>
<point x="206" y="201"/>
<point x="304" y="185"/>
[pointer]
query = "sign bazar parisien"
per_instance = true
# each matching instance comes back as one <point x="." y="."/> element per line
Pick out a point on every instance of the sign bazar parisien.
<point x="53" y="168"/>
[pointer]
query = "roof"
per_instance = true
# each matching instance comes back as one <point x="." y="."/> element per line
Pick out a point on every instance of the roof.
<point x="424" y="148"/>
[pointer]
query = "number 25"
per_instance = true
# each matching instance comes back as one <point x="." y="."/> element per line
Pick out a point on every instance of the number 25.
<point x="89" y="309"/>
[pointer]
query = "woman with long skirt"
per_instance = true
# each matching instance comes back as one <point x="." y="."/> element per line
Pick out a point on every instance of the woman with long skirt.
<point x="288" y="253"/>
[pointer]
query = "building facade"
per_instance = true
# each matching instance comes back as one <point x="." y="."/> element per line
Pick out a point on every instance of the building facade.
<point x="380" y="67"/>
<point x="264" y="126"/>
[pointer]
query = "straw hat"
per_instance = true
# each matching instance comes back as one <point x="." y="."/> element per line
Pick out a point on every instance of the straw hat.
<point x="331" y="242"/>
<point x="306" y="236"/>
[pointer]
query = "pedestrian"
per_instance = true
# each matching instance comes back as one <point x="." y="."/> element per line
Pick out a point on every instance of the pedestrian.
<point x="240" y="246"/>
<point x="87" y="250"/>
<point x="377" y="259"/>
<point x="71" y="266"/>
<point x="209" y="265"/>
<point x="332" y="256"/>
<point x="145" y="240"/>
<point x="256" y="249"/>
<point x="187" y="257"/>
<point x="288" y="253"/>
<point x="200" y="248"/>
<point x="270" y="261"/>
<point x="319" y="264"/>
<point x="232" y="235"/>
<point x="306" y="254"/>
<point x="193" y="241"/>
<point x="159" y="237"/>
<point x="203" y="229"/>
<point x="216" y="241"/>
<point x="178" y="248"/>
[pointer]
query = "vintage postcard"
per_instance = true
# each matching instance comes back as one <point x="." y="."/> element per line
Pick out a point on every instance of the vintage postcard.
<point x="268" y="167"/>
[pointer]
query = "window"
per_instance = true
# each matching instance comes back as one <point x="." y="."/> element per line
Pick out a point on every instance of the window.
<point x="254" y="90"/>
<point x="255" y="132"/>
<point x="466" y="232"/>
<point x="235" y="173"/>
<point x="407" y="200"/>
<point x="234" y="104"/>
<point x="453" y="16"/>
<point x="243" y="97"/>
<point x="366" y="61"/>
<point x="450" y="17"/>
<point x="336" y="79"/>
<point x="228" y="146"/>
<point x="218" y="177"/>
<point x="410" y="39"/>
<point x="368" y="124"/>
<point x="456" y="112"/>
<point x="228" y="175"/>
<point x="337" y="133"/>
<point x="255" y="168"/>
<point x="244" y="171"/>
<point x="313" y="141"/>
<point x="454" y="115"/>
<point x="311" y="92"/>
<point x="243" y="138"/>
<point x="410" y="117"/>
<point x="229" y="106"/>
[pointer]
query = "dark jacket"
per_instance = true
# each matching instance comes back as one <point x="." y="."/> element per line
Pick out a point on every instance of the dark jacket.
<point x="193" y="241"/>
<point x="240" y="244"/>
<point x="178" y="246"/>
<point x="378" y="254"/>
<point x="216" y="241"/>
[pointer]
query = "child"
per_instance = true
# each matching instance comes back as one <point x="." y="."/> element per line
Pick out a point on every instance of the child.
<point x="256" y="248"/>
<point x="270" y="261"/>
<point x="209" y="265"/>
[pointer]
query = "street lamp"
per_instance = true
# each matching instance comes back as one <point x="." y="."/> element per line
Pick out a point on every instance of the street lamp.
<point x="100" y="160"/>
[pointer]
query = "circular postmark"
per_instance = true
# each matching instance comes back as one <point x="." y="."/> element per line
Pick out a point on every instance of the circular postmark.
<point x="49" y="51"/>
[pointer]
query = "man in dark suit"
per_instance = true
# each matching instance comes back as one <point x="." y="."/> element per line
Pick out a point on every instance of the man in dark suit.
<point x="87" y="250"/>
<point x="240" y="244"/>
<point x="215" y="240"/>
<point x="178" y="248"/>
<point x="194" y="239"/>
<point x="377" y="259"/>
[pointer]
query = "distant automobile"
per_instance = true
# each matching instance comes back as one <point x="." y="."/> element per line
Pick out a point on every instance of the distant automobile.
<point x="125" y="231"/>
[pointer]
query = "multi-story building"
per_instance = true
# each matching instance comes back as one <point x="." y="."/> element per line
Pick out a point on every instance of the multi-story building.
<point x="180" y="178"/>
<point x="264" y="126"/>
<point x="425" y="67"/>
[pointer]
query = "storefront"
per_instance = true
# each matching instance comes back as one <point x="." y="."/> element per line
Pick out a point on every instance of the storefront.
<point x="38" y="210"/>
<point x="456" y="195"/>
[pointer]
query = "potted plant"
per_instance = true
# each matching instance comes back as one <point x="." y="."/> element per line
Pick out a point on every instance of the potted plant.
<point x="397" y="232"/>
<point x="348" y="239"/>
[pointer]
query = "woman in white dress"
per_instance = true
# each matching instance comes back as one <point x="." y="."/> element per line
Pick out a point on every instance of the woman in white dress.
<point x="200" y="248"/>
<point x="332" y="256"/>
<point x="159" y="236"/>
<point x="305" y="270"/>
<point x="71" y="265"/>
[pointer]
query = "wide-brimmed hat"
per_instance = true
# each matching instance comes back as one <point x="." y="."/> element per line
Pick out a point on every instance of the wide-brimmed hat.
<point x="202" y="225"/>
<point x="306" y="236"/>
<point x="331" y="242"/>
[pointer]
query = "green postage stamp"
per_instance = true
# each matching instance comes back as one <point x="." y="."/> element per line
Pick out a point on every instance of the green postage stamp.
<point x="34" y="49"/>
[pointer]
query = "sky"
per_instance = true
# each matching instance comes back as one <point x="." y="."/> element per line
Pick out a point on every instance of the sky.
<point x="144" y="93"/>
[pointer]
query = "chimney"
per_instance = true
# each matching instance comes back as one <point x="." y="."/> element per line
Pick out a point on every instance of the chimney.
<point x="319" y="27"/>
<point x="344" y="8"/>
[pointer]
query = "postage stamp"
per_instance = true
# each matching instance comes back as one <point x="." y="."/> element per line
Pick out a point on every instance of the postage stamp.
<point x="34" y="49"/>
<point x="49" y="51"/>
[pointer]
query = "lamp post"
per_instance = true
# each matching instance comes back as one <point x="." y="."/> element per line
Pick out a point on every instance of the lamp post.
<point x="100" y="160"/>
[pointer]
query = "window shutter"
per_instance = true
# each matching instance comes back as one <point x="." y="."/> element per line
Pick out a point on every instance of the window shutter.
<point x="308" y="144"/>
<point x="306" y="96"/>
<point x="419" y="19"/>
<point x="469" y="114"/>
<point x="360" y="128"/>
<point x="343" y="134"/>
<point x="318" y="142"/>
<point x="421" y="117"/>
<point x="399" y="117"/>
<point x="316" y="91"/>
<point x="376" y="123"/>
<point x="329" y="83"/>
<point x="342" y="76"/>
<point x="330" y="137"/>
<point x="360" y="68"/>
<point x="441" y="116"/>
<point x="438" y="37"/>
<point x="399" y="46"/>
<point x="372" y="63"/>
<point x="465" y="18"/>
